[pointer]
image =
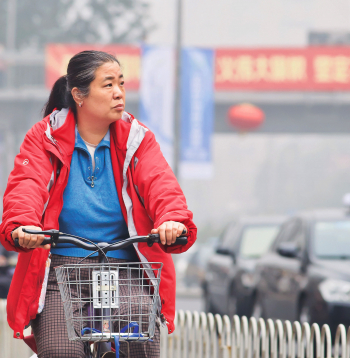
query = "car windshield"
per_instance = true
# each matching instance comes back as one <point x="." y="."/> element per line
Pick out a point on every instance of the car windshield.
<point x="331" y="239"/>
<point x="257" y="239"/>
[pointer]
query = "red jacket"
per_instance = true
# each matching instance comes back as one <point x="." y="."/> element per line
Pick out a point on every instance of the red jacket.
<point x="148" y="191"/>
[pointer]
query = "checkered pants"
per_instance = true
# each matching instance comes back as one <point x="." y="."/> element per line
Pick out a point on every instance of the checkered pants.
<point x="50" y="330"/>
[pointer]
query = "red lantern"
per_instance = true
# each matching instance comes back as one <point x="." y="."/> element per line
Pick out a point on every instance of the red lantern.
<point x="245" y="116"/>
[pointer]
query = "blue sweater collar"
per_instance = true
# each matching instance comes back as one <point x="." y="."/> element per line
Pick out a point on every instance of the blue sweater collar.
<point x="79" y="143"/>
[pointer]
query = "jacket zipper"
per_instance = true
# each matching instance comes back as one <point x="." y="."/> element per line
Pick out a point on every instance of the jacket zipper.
<point x="55" y="143"/>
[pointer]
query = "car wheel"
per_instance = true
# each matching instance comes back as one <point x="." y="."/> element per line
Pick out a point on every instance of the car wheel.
<point x="257" y="311"/>
<point x="304" y="311"/>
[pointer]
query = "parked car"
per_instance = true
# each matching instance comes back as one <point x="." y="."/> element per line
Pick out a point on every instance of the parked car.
<point x="190" y="266"/>
<point x="305" y="276"/>
<point x="8" y="261"/>
<point x="229" y="286"/>
<point x="181" y="263"/>
<point x="195" y="272"/>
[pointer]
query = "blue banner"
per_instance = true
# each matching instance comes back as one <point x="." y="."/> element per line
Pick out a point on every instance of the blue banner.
<point x="197" y="113"/>
<point x="157" y="92"/>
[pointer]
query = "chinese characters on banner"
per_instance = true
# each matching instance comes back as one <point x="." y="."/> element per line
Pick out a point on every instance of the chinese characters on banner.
<point x="58" y="56"/>
<point x="307" y="69"/>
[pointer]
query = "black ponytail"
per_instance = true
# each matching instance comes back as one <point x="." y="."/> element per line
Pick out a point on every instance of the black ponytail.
<point x="80" y="73"/>
<point x="58" y="96"/>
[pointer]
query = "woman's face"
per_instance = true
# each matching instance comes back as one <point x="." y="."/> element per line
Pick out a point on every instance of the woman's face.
<point x="106" y="100"/>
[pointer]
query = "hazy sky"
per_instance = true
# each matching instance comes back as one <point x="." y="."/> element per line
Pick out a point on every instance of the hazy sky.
<point x="211" y="23"/>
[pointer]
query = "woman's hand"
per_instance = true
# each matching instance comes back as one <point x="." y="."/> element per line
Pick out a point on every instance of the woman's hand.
<point x="169" y="231"/>
<point x="29" y="241"/>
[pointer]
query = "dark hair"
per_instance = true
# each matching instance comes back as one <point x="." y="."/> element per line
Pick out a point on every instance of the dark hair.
<point x="80" y="73"/>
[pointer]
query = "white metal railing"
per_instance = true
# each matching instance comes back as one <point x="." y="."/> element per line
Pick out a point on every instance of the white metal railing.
<point x="203" y="335"/>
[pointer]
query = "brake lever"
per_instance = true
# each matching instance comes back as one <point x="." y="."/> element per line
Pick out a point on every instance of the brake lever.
<point x="54" y="235"/>
<point x="51" y="232"/>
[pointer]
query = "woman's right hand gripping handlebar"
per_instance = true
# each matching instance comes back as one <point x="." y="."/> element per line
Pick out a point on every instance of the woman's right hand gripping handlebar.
<point x="29" y="241"/>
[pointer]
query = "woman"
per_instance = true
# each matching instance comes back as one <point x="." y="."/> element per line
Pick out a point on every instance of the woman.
<point x="89" y="169"/>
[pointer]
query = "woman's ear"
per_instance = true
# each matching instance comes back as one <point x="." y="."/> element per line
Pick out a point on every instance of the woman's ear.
<point x="76" y="94"/>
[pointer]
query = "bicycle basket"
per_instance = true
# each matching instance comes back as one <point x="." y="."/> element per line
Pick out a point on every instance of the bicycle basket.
<point x="101" y="301"/>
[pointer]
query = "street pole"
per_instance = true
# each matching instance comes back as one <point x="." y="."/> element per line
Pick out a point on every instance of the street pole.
<point x="177" y="110"/>
<point x="11" y="39"/>
<point x="11" y="25"/>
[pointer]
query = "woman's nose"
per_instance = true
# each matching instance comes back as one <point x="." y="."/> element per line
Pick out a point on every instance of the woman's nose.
<point x="117" y="92"/>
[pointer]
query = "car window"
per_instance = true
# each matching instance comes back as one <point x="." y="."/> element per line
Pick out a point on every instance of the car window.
<point x="257" y="239"/>
<point x="195" y="258"/>
<point x="331" y="239"/>
<point x="229" y="236"/>
<point x="285" y="228"/>
<point x="291" y="231"/>
<point x="223" y="234"/>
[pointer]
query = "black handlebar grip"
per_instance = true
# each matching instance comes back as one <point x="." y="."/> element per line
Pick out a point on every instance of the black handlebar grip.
<point x="181" y="241"/>
<point x="47" y="240"/>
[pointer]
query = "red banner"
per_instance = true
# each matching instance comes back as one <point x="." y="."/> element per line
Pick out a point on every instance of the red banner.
<point x="58" y="56"/>
<point x="308" y="69"/>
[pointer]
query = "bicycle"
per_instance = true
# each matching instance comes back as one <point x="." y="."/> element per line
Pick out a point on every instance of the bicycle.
<point x="96" y="318"/>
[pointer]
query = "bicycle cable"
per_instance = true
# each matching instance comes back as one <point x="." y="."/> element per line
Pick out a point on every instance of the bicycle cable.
<point x="91" y="242"/>
<point x="93" y="252"/>
<point x="110" y="245"/>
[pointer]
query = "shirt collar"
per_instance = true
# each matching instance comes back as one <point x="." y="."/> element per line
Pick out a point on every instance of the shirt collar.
<point x="79" y="143"/>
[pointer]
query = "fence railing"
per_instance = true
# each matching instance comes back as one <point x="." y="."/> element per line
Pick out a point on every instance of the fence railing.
<point x="203" y="335"/>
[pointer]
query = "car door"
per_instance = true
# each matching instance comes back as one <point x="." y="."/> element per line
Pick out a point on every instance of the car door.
<point x="254" y="242"/>
<point x="282" y="275"/>
<point x="221" y="266"/>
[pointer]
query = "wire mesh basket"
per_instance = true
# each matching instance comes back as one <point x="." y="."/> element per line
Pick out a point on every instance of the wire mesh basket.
<point x="102" y="301"/>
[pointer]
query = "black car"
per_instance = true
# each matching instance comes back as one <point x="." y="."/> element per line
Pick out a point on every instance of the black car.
<point x="305" y="275"/>
<point x="8" y="262"/>
<point x="229" y="285"/>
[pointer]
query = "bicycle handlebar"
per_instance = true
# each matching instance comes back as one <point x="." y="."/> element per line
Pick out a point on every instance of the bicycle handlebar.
<point x="57" y="236"/>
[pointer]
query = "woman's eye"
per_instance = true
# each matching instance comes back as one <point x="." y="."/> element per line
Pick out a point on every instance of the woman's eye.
<point x="122" y="83"/>
<point x="109" y="85"/>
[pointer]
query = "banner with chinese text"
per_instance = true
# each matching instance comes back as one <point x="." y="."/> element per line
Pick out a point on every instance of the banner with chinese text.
<point x="303" y="69"/>
<point x="58" y="56"/>
<point x="157" y="95"/>
<point x="197" y="113"/>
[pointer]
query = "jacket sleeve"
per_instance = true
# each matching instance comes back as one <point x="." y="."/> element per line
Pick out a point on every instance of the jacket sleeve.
<point x="27" y="188"/>
<point x="161" y="193"/>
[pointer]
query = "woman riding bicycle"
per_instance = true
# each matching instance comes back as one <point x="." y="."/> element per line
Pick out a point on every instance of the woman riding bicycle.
<point x="89" y="169"/>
